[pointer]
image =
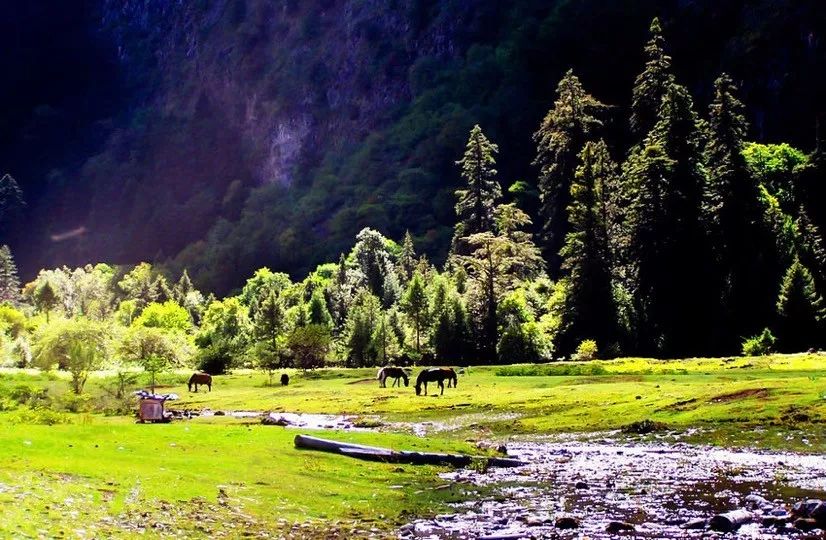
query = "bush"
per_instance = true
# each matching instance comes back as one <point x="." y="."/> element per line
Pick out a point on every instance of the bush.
<point x="552" y="370"/>
<point x="759" y="345"/>
<point x="587" y="350"/>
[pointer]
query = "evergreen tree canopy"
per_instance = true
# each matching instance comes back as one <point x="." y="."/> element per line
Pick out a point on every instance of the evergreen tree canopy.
<point x="651" y="85"/>
<point x="9" y="280"/>
<point x="801" y="310"/>
<point x="477" y="200"/>
<point x="561" y="135"/>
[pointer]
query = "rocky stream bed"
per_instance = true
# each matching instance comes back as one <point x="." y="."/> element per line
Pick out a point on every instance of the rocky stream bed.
<point x="609" y="489"/>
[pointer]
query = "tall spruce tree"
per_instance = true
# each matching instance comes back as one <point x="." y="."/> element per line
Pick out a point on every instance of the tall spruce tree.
<point x="474" y="209"/>
<point x="560" y="138"/>
<point x="9" y="280"/>
<point x="590" y="311"/>
<point x="670" y="286"/>
<point x="652" y="84"/>
<point x="801" y="310"/>
<point x="407" y="257"/>
<point x="11" y="204"/>
<point x="741" y="240"/>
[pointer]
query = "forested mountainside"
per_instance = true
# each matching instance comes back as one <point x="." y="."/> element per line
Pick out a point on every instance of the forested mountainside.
<point x="225" y="135"/>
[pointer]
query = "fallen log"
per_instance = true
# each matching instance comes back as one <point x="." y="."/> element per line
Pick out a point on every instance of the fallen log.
<point x="730" y="521"/>
<point x="386" y="455"/>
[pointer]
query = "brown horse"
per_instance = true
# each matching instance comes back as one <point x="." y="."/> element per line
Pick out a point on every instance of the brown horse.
<point x="395" y="373"/>
<point x="437" y="375"/>
<point x="199" y="379"/>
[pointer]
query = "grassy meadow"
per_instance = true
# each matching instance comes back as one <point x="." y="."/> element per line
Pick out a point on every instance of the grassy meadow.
<point x="83" y="469"/>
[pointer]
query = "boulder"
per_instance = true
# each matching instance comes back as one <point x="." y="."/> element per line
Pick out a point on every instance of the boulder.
<point x="695" y="524"/>
<point x="566" y="522"/>
<point x="619" y="526"/>
<point x="805" y="524"/>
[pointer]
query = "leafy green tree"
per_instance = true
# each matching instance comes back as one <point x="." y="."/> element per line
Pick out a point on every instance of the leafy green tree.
<point x="139" y="284"/>
<point x="269" y="321"/>
<point x="261" y="284"/>
<point x="566" y="128"/>
<point x="801" y="310"/>
<point x="415" y="305"/>
<point x="224" y="335"/>
<point x="651" y="85"/>
<point x="361" y="324"/>
<point x="452" y="334"/>
<point x="45" y="299"/>
<point x="317" y="312"/>
<point x="309" y="346"/>
<point x="590" y="310"/>
<point x="373" y="259"/>
<point x="79" y="346"/>
<point x="166" y="316"/>
<point x="477" y="200"/>
<point x="776" y="166"/>
<point x="155" y="349"/>
<point x="9" y="281"/>
<point x="497" y="263"/>
<point x="741" y="241"/>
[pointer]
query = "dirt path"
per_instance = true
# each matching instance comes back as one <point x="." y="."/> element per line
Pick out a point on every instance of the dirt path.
<point x="655" y="488"/>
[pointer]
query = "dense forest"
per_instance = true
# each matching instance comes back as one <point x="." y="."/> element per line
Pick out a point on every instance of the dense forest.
<point x="690" y="240"/>
<point x="226" y="135"/>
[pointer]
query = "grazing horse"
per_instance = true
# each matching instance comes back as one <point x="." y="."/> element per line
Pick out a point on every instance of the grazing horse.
<point x="437" y="375"/>
<point x="199" y="379"/>
<point x="285" y="379"/>
<point x="393" y="372"/>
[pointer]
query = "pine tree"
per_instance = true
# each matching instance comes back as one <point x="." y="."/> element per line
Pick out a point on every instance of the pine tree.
<point x="407" y="258"/>
<point x="563" y="132"/>
<point x="182" y="288"/>
<point x="741" y="240"/>
<point x="801" y="310"/>
<point x="317" y="312"/>
<point x="415" y="304"/>
<point x="474" y="209"/>
<point x="45" y="299"/>
<point x="9" y="281"/>
<point x="590" y="308"/>
<point x="670" y="284"/>
<point x="11" y="203"/>
<point x="652" y="84"/>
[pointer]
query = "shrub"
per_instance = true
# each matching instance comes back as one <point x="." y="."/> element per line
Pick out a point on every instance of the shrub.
<point x="587" y="350"/>
<point x="759" y="345"/>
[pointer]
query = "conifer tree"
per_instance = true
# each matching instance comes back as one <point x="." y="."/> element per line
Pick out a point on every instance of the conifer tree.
<point x="670" y="287"/>
<point x="9" y="280"/>
<point x="317" y="312"/>
<point x="415" y="304"/>
<point x="560" y="138"/>
<point x="477" y="200"/>
<point x="407" y="257"/>
<point x="45" y="299"/>
<point x="651" y="85"/>
<point x="590" y="308"/>
<point x="11" y="203"/>
<point x="182" y="288"/>
<point x="801" y="310"/>
<point x="268" y="322"/>
<point x="741" y="242"/>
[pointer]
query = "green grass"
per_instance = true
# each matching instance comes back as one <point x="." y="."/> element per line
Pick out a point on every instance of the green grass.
<point x="109" y="469"/>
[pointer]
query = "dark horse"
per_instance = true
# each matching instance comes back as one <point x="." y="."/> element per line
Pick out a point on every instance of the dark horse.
<point x="437" y="375"/>
<point x="199" y="379"/>
<point x="285" y="379"/>
<point x="395" y="373"/>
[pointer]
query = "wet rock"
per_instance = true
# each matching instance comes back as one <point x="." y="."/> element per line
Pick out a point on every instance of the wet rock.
<point x="757" y="501"/>
<point x="730" y="521"/>
<point x="581" y="485"/>
<point x="695" y="524"/>
<point x="805" y="508"/>
<point x="818" y="513"/>
<point x="505" y="536"/>
<point x="619" y="526"/>
<point x="566" y="522"/>
<point x="643" y="427"/>
<point x="274" y="421"/>
<point x="220" y="413"/>
<point x="805" y="524"/>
